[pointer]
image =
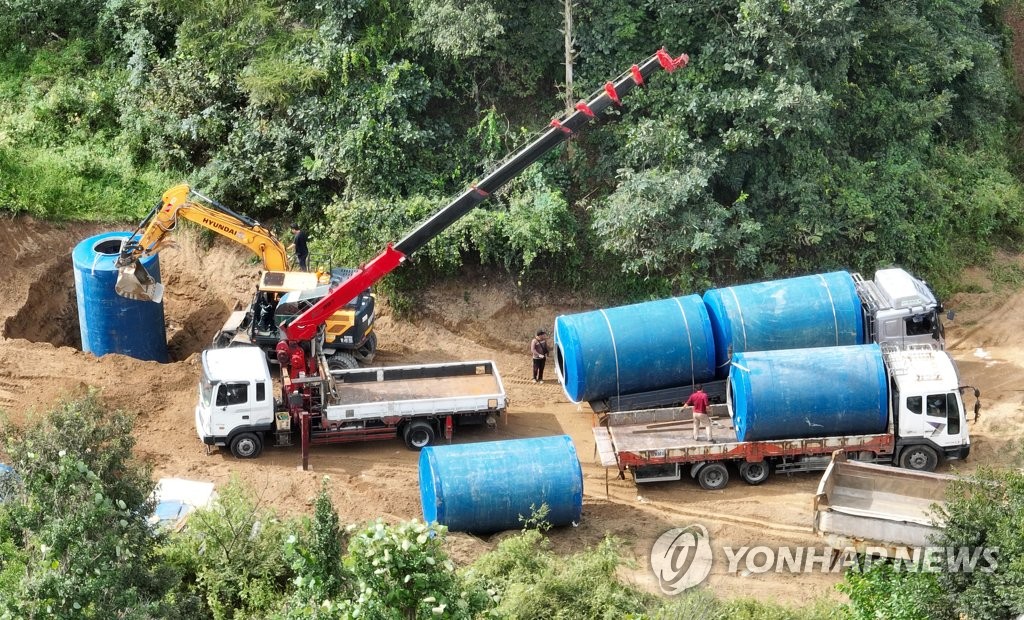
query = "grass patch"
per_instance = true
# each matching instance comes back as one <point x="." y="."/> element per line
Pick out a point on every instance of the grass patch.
<point x="77" y="182"/>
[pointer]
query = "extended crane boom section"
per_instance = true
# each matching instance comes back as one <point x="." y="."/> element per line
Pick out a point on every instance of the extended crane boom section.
<point x="135" y="282"/>
<point x="305" y="326"/>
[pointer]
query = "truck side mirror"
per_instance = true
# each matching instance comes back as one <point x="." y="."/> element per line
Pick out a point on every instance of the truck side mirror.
<point x="950" y="315"/>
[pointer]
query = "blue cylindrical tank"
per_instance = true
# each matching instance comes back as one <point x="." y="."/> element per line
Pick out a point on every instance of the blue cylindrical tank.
<point x="809" y="311"/>
<point x="635" y="348"/>
<point x="798" y="393"/>
<point x="111" y="323"/>
<point x="486" y="487"/>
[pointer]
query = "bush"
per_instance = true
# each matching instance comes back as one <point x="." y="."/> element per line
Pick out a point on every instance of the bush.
<point x="402" y="572"/>
<point x="75" y="539"/>
<point x="232" y="556"/>
<point x="527" y="580"/>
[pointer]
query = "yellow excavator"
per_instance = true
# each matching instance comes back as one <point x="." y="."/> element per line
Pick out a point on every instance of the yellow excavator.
<point x="348" y="333"/>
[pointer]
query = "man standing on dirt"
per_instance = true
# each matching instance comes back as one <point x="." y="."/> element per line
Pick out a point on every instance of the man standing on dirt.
<point x="539" y="351"/>
<point x="699" y="401"/>
<point x="299" y="244"/>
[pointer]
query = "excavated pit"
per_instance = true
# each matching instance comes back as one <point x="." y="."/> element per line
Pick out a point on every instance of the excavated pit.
<point x="50" y="313"/>
<point x="193" y="314"/>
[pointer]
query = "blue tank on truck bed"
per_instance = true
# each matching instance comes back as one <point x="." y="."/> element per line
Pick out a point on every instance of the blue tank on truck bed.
<point x="918" y="393"/>
<point x="652" y="354"/>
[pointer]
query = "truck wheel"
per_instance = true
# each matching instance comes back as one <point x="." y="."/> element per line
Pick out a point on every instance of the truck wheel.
<point x="919" y="458"/>
<point x="367" y="350"/>
<point x="713" y="476"/>
<point x="342" y="361"/>
<point x="246" y="446"/>
<point x="755" y="473"/>
<point x="419" y="435"/>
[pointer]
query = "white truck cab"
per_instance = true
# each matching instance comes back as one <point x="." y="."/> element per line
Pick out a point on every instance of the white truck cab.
<point x="236" y="399"/>
<point x="928" y="410"/>
<point x="900" y="309"/>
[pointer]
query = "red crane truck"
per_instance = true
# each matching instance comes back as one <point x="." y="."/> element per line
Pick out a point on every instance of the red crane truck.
<point x="310" y="404"/>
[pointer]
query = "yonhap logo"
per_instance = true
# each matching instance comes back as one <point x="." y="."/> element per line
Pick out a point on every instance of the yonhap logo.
<point x="681" y="558"/>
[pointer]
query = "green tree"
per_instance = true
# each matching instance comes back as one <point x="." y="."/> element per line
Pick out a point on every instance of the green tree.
<point x="986" y="512"/>
<point x="232" y="556"/>
<point x="75" y="541"/>
<point x="403" y="573"/>
<point x="896" y="591"/>
<point x="316" y="551"/>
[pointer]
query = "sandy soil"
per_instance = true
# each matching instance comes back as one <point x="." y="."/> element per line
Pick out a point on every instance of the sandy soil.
<point x="473" y="318"/>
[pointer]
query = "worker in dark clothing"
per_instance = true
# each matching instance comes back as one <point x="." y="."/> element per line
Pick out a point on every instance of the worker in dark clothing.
<point x="699" y="401"/>
<point x="539" y="351"/>
<point x="300" y="245"/>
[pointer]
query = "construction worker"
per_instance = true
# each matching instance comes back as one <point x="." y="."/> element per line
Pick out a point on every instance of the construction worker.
<point x="539" y="351"/>
<point x="699" y="401"/>
<point x="300" y="244"/>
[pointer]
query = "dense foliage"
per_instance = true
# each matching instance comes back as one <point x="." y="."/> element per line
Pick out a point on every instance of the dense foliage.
<point x="74" y="536"/>
<point x="984" y="513"/>
<point x="76" y="541"/>
<point x="803" y="136"/>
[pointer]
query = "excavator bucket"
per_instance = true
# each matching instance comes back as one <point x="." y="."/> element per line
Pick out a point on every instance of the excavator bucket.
<point x="134" y="282"/>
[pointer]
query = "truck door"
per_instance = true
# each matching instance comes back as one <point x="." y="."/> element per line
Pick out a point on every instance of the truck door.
<point x="912" y="422"/>
<point x="889" y="330"/>
<point x="232" y="406"/>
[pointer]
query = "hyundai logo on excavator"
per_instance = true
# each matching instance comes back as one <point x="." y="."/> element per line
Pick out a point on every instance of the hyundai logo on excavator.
<point x="214" y="224"/>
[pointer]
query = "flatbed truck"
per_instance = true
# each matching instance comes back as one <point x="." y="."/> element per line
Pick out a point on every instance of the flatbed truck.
<point x="658" y="445"/>
<point x="418" y="404"/>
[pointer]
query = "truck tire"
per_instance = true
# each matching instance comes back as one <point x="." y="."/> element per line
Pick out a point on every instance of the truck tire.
<point x="755" y="473"/>
<point x="366" y="351"/>
<point x="246" y="445"/>
<point x="342" y="361"/>
<point x="919" y="458"/>
<point x="713" y="476"/>
<point x="419" y="435"/>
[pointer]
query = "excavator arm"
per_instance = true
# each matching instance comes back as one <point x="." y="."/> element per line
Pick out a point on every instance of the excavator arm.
<point x="304" y="326"/>
<point x="182" y="202"/>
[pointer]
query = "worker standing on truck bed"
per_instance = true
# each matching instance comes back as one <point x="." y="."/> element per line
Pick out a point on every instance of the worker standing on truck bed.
<point x="699" y="401"/>
<point x="539" y="350"/>
<point x="300" y="243"/>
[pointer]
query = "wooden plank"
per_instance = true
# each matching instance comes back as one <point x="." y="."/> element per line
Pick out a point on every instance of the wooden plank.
<point x="605" y="450"/>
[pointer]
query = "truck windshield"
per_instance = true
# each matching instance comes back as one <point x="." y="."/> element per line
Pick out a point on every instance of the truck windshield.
<point x="920" y="324"/>
<point x="206" y="390"/>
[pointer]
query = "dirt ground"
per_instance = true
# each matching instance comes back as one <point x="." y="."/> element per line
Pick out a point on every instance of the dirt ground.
<point x="469" y="319"/>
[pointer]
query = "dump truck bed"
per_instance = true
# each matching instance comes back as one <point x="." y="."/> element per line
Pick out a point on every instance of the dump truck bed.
<point x="419" y="390"/>
<point x="865" y="505"/>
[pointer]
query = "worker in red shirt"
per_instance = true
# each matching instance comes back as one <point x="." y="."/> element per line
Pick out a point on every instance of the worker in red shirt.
<point x="699" y="401"/>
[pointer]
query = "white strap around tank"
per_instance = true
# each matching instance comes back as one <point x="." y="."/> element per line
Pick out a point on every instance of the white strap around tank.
<point x="835" y="318"/>
<point x="615" y="351"/>
<point x="743" y="323"/>
<point x="689" y="338"/>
